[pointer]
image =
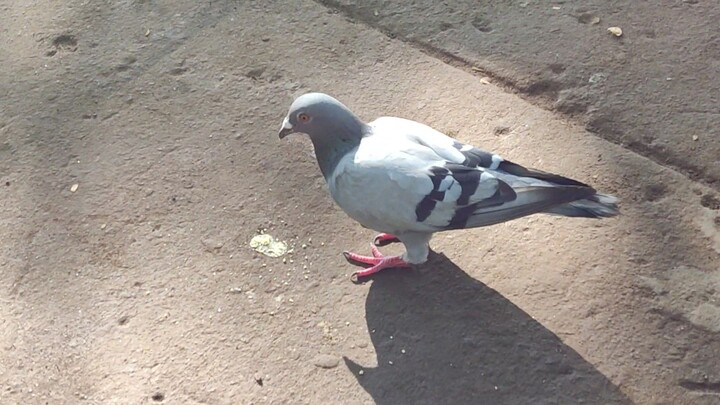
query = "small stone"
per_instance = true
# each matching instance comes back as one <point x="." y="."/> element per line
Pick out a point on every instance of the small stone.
<point x="617" y="31"/>
<point x="326" y="361"/>
<point x="485" y="80"/>
<point x="212" y="244"/>
<point x="74" y="187"/>
<point x="695" y="137"/>
<point x="361" y="372"/>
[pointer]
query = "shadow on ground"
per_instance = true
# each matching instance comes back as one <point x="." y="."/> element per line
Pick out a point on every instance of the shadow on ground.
<point x="445" y="337"/>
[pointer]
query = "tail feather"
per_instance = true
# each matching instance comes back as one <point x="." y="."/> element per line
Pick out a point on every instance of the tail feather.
<point x="530" y="200"/>
<point x="595" y="206"/>
<point x="545" y="193"/>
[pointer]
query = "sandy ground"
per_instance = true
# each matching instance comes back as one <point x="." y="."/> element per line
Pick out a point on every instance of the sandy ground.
<point x="140" y="286"/>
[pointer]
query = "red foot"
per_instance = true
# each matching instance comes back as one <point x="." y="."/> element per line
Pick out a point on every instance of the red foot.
<point x="383" y="239"/>
<point x="377" y="261"/>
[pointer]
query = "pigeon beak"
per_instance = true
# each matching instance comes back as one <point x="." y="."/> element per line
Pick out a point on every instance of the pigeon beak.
<point x="286" y="128"/>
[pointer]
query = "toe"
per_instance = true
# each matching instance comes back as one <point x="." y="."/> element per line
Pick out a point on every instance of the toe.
<point x="383" y="239"/>
<point x="375" y="251"/>
<point x="355" y="258"/>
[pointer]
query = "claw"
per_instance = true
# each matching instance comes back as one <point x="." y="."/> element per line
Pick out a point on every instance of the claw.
<point x="383" y="239"/>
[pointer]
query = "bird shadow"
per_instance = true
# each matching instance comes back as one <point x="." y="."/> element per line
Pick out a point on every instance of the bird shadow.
<point x="442" y="337"/>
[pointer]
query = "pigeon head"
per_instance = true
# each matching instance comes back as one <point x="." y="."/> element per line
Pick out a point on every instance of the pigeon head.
<point x="323" y="118"/>
<point x="333" y="129"/>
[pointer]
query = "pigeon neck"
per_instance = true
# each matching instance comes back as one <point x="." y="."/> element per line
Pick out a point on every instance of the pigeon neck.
<point x="329" y="152"/>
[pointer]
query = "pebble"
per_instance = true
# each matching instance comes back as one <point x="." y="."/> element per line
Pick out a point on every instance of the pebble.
<point x="326" y="361"/>
<point x="617" y="31"/>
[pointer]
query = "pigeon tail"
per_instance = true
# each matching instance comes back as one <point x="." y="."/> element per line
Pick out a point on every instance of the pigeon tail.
<point x="595" y="206"/>
<point x="530" y="200"/>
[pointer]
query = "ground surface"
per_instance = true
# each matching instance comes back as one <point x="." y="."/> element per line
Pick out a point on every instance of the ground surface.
<point x="138" y="285"/>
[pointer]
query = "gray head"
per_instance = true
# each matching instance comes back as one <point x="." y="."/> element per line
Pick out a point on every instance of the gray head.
<point x="332" y="127"/>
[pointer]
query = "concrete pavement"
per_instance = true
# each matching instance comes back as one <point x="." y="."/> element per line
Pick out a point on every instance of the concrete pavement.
<point x="139" y="286"/>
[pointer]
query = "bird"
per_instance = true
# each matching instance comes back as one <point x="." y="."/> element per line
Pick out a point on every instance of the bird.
<point x="408" y="181"/>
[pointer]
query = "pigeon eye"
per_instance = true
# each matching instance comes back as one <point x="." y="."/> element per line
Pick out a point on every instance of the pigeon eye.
<point x="303" y="118"/>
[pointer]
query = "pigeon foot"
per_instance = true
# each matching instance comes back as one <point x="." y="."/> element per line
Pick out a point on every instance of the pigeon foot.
<point x="383" y="239"/>
<point x="377" y="262"/>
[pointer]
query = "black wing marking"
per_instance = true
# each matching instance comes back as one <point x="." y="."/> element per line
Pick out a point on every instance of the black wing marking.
<point x="427" y="204"/>
<point x="468" y="179"/>
<point x="475" y="157"/>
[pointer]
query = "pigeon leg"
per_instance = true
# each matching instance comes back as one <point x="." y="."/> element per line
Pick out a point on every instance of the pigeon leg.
<point x="383" y="239"/>
<point x="377" y="261"/>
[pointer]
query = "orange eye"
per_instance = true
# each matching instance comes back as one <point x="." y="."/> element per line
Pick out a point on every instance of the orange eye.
<point x="303" y="118"/>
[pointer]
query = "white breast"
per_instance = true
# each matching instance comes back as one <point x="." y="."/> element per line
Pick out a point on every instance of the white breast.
<point x="375" y="187"/>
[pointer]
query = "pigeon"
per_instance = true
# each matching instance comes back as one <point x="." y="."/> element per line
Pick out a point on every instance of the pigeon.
<point x="407" y="181"/>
